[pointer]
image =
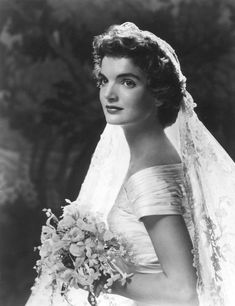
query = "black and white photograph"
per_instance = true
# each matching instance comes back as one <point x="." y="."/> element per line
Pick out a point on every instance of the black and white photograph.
<point x="117" y="150"/>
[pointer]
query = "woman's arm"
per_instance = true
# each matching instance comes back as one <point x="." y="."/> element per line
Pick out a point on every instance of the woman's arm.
<point x="176" y="285"/>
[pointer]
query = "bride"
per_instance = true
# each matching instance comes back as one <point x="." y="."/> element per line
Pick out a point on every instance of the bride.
<point x="159" y="178"/>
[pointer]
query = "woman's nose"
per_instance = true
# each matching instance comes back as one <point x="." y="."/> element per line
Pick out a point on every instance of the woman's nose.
<point x="110" y="93"/>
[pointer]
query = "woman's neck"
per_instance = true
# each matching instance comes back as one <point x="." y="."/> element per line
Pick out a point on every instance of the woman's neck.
<point x="143" y="137"/>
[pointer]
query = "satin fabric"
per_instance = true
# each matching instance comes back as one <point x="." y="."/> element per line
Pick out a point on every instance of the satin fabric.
<point x="156" y="190"/>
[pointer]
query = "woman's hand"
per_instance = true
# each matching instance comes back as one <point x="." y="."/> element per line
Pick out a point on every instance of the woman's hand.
<point x="122" y="266"/>
<point x="125" y="269"/>
<point x="119" y="265"/>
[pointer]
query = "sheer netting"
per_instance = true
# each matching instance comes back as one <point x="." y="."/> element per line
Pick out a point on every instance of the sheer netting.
<point x="210" y="185"/>
<point x="106" y="173"/>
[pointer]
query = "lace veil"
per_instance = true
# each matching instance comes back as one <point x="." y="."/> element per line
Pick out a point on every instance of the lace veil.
<point x="210" y="189"/>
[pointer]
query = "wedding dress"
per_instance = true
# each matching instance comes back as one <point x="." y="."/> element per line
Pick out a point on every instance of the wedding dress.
<point x="156" y="190"/>
<point x="202" y="189"/>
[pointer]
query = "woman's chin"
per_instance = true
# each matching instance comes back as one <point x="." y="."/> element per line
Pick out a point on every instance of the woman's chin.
<point x="113" y="121"/>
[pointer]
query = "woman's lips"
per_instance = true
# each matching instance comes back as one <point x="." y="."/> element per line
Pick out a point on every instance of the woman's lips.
<point x="113" y="109"/>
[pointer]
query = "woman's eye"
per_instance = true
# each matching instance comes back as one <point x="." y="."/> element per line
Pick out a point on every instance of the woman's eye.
<point x="128" y="83"/>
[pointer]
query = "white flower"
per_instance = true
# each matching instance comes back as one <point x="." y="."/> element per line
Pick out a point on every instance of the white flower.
<point x="101" y="227"/>
<point x="78" y="262"/>
<point x="45" y="249"/>
<point x="71" y="210"/>
<point x="108" y="235"/>
<point x="47" y="233"/>
<point x="76" y="234"/>
<point x="81" y="224"/>
<point x="66" y="222"/>
<point x="77" y="250"/>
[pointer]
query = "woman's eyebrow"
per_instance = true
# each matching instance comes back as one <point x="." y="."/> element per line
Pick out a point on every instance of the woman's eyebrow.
<point x="129" y="74"/>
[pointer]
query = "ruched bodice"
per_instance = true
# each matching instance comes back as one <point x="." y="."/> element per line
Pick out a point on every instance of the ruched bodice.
<point x="157" y="190"/>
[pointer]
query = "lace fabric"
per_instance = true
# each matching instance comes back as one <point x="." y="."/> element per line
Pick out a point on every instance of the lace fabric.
<point x="210" y="190"/>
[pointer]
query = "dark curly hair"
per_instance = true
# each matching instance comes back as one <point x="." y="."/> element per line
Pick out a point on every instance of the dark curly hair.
<point x="162" y="79"/>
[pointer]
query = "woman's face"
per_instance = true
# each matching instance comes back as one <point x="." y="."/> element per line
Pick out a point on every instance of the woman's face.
<point x="124" y="95"/>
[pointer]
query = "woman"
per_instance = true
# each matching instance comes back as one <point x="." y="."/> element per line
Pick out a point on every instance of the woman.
<point x="143" y="188"/>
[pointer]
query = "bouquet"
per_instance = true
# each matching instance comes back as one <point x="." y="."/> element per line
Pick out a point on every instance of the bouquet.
<point x="78" y="251"/>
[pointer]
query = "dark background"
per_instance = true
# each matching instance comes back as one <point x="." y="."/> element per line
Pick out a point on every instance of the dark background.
<point x="50" y="117"/>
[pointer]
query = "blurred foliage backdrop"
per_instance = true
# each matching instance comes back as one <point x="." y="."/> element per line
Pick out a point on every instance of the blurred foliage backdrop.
<point x="50" y="117"/>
